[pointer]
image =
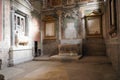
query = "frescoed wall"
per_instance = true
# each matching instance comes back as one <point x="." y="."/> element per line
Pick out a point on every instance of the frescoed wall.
<point x="71" y="24"/>
<point x="69" y="21"/>
<point x="68" y="25"/>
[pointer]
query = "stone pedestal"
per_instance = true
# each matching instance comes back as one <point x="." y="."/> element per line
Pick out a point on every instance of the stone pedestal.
<point x="20" y="54"/>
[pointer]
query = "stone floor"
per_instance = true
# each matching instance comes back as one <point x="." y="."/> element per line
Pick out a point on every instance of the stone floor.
<point x="87" y="68"/>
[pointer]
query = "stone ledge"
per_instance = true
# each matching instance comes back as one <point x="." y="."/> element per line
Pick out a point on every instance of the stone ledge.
<point x="20" y="48"/>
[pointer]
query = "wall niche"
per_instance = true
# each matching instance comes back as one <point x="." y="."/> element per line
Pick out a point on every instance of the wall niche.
<point x="49" y="27"/>
<point x="71" y="24"/>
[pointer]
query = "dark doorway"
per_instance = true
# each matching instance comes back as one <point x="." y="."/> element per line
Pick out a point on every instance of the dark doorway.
<point x="37" y="52"/>
<point x="35" y="48"/>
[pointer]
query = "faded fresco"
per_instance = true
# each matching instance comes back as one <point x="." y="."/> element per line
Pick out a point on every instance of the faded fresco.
<point x="71" y="24"/>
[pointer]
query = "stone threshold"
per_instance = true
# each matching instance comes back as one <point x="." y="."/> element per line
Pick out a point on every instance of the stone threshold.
<point x="58" y="58"/>
<point x="79" y="59"/>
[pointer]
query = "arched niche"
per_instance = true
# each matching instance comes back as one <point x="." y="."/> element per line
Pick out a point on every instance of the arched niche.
<point x="49" y="27"/>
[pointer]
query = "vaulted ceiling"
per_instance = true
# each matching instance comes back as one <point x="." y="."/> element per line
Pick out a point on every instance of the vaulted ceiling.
<point x="37" y="3"/>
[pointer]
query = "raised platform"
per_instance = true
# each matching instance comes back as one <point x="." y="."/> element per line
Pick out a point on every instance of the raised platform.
<point x="58" y="58"/>
<point x="80" y="59"/>
<point x="65" y="57"/>
<point x="70" y="47"/>
<point x="20" y="54"/>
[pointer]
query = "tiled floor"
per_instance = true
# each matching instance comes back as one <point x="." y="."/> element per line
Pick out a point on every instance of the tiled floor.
<point x="88" y="68"/>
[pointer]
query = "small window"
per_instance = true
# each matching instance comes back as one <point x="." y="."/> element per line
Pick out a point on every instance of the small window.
<point x="19" y="22"/>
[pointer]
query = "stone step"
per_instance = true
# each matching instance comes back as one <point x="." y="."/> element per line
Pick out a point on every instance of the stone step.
<point x="99" y="41"/>
<point x="65" y="57"/>
<point x="94" y="42"/>
<point x="94" y="47"/>
<point x="95" y="54"/>
<point x="86" y="59"/>
<point x="58" y="58"/>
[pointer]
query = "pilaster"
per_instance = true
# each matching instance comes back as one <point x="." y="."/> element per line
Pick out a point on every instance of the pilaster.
<point x="59" y="13"/>
<point x="12" y="26"/>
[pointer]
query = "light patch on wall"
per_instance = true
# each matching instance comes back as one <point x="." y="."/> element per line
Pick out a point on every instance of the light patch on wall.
<point x="50" y="29"/>
<point x="94" y="27"/>
<point x="35" y="31"/>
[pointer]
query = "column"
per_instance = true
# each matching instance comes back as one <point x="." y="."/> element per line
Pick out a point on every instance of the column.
<point x="12" y="37"/>
<point x="44" y="4"/>
<point x="12" y="27"/>
<point x="42" y="31"/>
<point x="59" y="13"/>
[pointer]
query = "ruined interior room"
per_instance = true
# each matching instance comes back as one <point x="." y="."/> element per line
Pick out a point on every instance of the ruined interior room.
<point x="59" y="40"/>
